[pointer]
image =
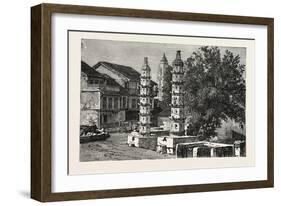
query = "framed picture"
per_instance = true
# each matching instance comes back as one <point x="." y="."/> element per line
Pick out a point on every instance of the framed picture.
<point x="132" y="102"/>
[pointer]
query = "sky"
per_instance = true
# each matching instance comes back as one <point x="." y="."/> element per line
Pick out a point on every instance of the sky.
<point x="132" y="53"/>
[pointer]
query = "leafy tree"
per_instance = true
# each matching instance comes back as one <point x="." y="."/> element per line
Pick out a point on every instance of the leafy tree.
<point x="215" y="90"/>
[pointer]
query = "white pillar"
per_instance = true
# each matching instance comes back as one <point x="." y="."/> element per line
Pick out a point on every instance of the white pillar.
<point x="195" y="150"/>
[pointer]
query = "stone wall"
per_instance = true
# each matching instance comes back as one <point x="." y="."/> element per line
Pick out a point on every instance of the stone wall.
<point x="137" y="140"/>
<point x="147" y="143"/>
<point x="204" y="149"/>
<point x="87" y="117"/>
<point x="90" y="100"/>
<point x="170" y="142"/>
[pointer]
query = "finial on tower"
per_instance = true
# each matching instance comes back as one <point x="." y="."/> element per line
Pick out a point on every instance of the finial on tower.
<point x="178" y="54"/>
<point x="145" y="62"/>
<point x="178" y="61"/>
<point x="164" y="59"/>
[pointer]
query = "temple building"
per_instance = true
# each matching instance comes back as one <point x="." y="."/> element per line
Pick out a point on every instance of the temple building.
<point x="163" y="76"/>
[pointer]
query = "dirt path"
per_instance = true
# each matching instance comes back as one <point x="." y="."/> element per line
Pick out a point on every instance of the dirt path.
<point x="115" y="148"/>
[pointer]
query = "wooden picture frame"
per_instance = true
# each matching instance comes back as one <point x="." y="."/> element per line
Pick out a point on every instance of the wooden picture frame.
<point x="41" y="97"/>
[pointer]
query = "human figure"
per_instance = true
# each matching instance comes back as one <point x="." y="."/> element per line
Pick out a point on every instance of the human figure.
<point x="94" y="128"/>
<point x="102" y="130"/>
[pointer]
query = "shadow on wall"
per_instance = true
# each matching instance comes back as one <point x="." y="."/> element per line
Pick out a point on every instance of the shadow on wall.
<point x="24" y="193"/>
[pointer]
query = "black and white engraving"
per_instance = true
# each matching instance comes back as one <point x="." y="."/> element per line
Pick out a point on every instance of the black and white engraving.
<point x="142" y="100"/>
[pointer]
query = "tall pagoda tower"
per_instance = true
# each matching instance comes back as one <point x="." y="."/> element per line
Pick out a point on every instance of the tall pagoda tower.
<point x="177" y="107"/>
<point x="162" y="70"/>
<point x="145" y="99"/>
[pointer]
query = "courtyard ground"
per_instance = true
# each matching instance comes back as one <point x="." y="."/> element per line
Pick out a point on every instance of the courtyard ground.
<point x="116" y="148"/>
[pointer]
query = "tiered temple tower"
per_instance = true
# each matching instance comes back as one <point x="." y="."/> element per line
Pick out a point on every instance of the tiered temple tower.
<point x="162" y="70"/>
<point x="177" y="107"/>
<point x="145" y="99"/>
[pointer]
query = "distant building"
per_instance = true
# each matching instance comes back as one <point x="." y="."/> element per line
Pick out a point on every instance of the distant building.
<point x="109" y="95"/>
<point x="164" y="70"/>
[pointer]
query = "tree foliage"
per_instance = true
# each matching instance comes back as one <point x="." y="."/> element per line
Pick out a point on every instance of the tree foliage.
<point x="215" y="89"/>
